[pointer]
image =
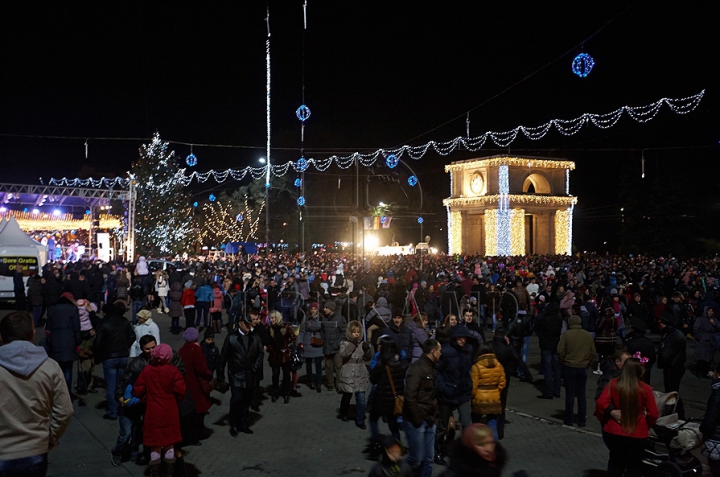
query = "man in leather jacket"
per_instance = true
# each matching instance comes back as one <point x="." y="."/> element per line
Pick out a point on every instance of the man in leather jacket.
<point x="242" y="354"/>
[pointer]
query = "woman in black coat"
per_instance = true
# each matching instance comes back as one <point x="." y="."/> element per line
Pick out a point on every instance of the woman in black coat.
<point x="382" y="403"/>
<point x="63" y="334"/>
<point x="402" y="337"/>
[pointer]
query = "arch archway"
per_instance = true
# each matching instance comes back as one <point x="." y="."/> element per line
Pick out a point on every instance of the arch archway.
<point x="536" y="183"/>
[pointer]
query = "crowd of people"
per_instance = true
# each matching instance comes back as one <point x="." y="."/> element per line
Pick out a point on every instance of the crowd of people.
<point x="415" y="340"/>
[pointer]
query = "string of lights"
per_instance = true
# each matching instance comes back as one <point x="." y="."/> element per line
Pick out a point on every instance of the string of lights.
<point x="641" y="114"/>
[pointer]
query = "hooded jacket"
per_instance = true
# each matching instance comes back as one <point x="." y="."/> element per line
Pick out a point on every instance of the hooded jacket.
<point x="382" y="309"/>
<point x="63" y="330"/>
<point x="35" y="407"/>
<point x="454" y="383"/>
<point x="488" y="380"/>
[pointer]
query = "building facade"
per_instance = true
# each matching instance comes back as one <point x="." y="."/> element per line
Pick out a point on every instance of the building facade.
<point x="503" y="205"/>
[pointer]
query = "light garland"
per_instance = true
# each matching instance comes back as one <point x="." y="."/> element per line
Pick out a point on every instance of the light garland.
<point x="531" y="163"/>
<point x="29" y="221"/>
<point x="491" y="243"/>
<point x="569" y="127"/>
<point x="513" y="199"/>
<point x="222" y="223"/>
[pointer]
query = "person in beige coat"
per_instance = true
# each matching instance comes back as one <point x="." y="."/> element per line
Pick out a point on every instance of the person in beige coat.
<point x="35" y="405"/>
<point x="353" y="377"/>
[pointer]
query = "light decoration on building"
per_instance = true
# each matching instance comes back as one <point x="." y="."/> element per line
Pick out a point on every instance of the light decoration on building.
<point x="514" y="199"/>
<point x="510" y="161"/>
<point x="503" y="139"/>
<point x="454" y="233"/>
<point x="563" y="232"/>
<point x="43" y="221"/>
<point x="517" y="232"/>
<point x="503" y="215"/>
<point x="567" y="182"/>
<point x="491" y="220"/>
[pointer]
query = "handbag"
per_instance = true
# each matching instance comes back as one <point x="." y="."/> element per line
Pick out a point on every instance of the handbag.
<point x="316" y="342"/>
<point x="399" y="400"/>
<point x="297" y="356"/>
<point x="207" y="385"/>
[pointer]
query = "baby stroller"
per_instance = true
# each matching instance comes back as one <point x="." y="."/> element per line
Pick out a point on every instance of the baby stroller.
<point x="672" y="440"/>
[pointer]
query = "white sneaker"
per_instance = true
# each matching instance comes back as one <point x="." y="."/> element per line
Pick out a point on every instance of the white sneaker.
<point x="597" y="371"/>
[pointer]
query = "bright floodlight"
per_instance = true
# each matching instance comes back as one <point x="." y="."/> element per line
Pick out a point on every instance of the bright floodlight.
<point x="3" y="209"/>
<point x="36" y="211"/>
<point x="56" y="212"/>
<point x="262" y="160"/>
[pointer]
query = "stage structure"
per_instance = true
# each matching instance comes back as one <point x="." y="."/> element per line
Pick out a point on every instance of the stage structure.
<point x="34" y="208"/>
<point x="503" y="205"/>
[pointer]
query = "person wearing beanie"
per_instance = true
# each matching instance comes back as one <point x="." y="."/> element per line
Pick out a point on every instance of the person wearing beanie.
<point x="333" y="331"/>
<point x="145" y="326"/>
<point x="164" y="387"/>
<point x="210" y="349"/>
<point x="197" y="377"/>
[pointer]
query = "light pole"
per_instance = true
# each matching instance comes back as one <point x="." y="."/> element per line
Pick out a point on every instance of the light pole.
<point x="267" y="199"/>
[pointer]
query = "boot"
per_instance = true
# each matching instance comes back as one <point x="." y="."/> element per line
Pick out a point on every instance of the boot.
<point x="154" y="470"/>
<point x="287" y="399"/>
<point x="170" y="472"/>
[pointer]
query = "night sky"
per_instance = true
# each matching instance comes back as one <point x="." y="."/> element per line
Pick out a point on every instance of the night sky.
<point x="376" y="74"/>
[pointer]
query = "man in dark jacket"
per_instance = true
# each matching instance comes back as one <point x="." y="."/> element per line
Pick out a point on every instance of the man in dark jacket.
<point x="242" y="355"/>
<point x="115" y="336"/>
<point x="63" y="335"/>
<point x="510" y="360"/>
<point x="402" y="336"/>
<point x="454" y="385"/>
<point x="421" y="409"/>
<point x="671" y="358"/>
<point x="519" y="330"/>
<point x="636" y="341"/>
<point x="548" y="330"/>
<point x="333" y="332"/>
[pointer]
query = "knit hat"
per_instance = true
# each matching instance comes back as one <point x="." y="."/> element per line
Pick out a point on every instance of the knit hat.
<point x="188" y="284"/>
<point x="190" y="335"/>
<point x="68" y="296"/>
<point x="330" y="305"/>
<point x="209" y="333"/>
<point x="314" y="305"/>
<point x="613" y="291"/>
<point x="144" y="315"/>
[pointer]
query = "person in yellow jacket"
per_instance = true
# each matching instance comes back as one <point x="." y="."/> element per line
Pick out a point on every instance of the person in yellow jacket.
<point x="488" y="378"/>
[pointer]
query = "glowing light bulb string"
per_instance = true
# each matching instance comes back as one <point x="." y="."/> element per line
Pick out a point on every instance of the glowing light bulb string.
<point x="641" y="114"/>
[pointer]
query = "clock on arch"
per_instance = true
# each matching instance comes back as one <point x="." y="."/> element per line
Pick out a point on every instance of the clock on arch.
<point x="476" y="183"/>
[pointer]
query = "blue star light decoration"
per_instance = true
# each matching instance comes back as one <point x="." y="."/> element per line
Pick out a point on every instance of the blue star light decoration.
<point x="301" y="201"/>
<point x="191" y="160"/>
<point x="383" y="219"/>
<point x="301" y="165"/>
<point x="420" y="220"/>
<point x="195" y="204"/>
<point x="582" y="65"/>
<point x="298" y="182"/>
<point x="87" y="211"/>
<point x="303" y="113"/>
<point x="392" y="161"/>
<point x="239" y="217"/>
<point x="412" y="180"/>
<point x="212" y="197"/>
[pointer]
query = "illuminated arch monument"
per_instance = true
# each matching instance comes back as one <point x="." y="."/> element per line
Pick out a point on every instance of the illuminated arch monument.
<point x="503" y="205"/>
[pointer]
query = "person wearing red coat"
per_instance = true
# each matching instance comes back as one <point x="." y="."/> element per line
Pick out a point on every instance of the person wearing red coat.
<point x="627" y="410"/>
<point x="196" y="371"/>
<point x="162" y="386"/>
<point x="216" y="307"/>
<point x="188" y="303"/>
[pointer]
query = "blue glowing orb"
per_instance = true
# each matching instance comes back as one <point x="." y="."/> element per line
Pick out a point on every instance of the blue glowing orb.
<point x="412" y="180"/>
<point x="301" y="201"/>
<point x="195" y="204"/>
<point x="267" y="185"/>
<point x="212" y="197"/>
<point x="26" y="209"/>
<point x="191" y="160"/>
<point x="298" y="182"/>
<point x="87" y="211"/>
<point x="392" y="161"/>
<point x="420" y="220"/>
<point x="239" y="217"/>
<point x="383" y="219"/>
<point x="582" y="65"/>
<point x="301" y="164"/>
<point x="302" y="113"/>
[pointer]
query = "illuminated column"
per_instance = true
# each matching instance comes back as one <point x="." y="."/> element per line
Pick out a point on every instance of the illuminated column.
<point x="454" y="233"/>
<point x="563" y="231"/>
<point x="491" y="219"/>
<point x="503" y="213"/>
<point x="517" y="232"/>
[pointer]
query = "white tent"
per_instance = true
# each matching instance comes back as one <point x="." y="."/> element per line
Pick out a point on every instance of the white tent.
<point x="12" y="235"/>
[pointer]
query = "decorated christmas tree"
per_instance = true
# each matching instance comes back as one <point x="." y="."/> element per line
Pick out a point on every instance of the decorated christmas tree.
<point x="163" y="214"/>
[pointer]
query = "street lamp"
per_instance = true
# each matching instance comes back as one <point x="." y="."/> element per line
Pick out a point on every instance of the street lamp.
<point x="262" y="160"/>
